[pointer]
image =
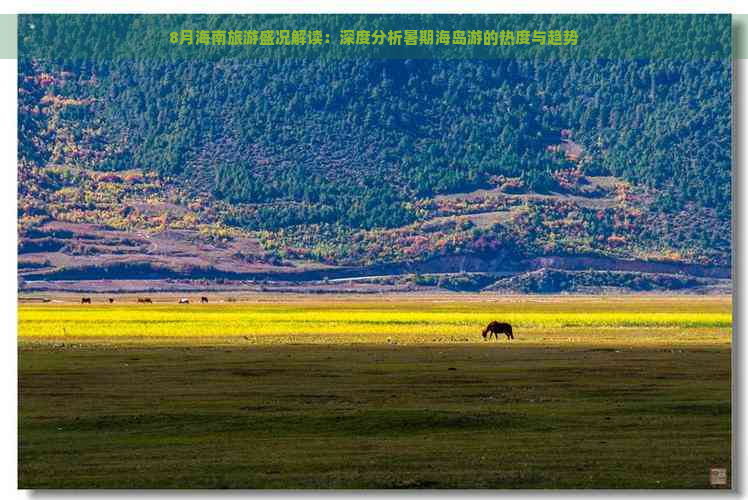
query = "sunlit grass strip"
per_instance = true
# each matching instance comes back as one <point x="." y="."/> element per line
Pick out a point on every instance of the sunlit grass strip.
<point x="173" y="321"/>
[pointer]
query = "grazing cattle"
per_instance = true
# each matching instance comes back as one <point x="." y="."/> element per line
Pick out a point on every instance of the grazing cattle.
<point x="86" y="300"/>
<point x="495" y="328"/>
<point x="203" y="300"/>
<point x="184" y="301"/>
<point x="111" y="300"/>
<point x="144" y="300"/>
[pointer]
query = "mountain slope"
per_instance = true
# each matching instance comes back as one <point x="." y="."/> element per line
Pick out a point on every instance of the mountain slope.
<point x="310" y="164"/>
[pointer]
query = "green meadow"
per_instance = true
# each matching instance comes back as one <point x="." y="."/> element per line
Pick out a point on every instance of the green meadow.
<point x="618" y="392"/>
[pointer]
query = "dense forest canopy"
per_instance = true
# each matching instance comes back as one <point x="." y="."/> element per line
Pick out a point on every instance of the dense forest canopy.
<point x="355" y="139"/>
<point x="368" y="160"/>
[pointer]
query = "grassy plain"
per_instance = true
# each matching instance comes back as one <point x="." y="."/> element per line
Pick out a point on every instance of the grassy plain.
<point x="397" y="392"/>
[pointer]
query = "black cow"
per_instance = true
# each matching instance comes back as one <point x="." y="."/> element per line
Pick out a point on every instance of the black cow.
<point x="86" y="300"/>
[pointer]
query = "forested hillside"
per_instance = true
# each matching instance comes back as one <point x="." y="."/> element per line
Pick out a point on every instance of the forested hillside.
<point x="361" y="162"/>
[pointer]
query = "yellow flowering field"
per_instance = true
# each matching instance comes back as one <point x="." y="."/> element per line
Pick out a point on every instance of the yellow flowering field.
<point x="637" y="320"/>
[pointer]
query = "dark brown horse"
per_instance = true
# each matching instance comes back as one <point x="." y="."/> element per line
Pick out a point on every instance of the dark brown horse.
<point x="203" y="300"/>
<point x="86" y="300"/>
<point x="495" y="328"/>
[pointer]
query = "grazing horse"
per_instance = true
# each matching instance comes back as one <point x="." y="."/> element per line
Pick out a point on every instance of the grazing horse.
<point x="184" y="301"/>
<point x="203" y="300"/>
<point x="86" y="300"/>
<point x="495" y="328"/>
